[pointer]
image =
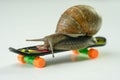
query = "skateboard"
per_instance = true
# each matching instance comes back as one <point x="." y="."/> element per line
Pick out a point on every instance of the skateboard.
<point x="32" y="54"/>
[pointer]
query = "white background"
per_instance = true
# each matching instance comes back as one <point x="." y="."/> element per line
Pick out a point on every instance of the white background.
<point x="23" y="19"/>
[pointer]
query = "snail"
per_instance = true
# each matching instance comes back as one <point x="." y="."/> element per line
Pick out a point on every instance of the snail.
<point x="74" y="30"/>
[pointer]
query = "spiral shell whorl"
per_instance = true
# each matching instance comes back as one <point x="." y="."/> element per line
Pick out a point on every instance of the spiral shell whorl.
<point x="80" y="19"/>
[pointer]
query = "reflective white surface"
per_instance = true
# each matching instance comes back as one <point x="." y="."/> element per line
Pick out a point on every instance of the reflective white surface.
<point x="23" y="19"/>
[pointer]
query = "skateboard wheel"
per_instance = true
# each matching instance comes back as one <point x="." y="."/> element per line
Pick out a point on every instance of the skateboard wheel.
<point x="39" y="62"/>
<point x="21" y="59"/>
<point x="93" y="53"/>
<point x="75" y="52"/>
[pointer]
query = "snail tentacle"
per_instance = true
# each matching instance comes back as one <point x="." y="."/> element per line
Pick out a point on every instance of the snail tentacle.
<point x="51" y="48"/>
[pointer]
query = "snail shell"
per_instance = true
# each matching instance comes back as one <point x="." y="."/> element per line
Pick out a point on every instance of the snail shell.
<point x="79" y="20"/>
<point x="74" y="30"/>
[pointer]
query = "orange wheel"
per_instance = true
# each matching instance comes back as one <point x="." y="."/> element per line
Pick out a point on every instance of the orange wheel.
<point x="21" y="59"/>
<point x="75" y="52"/>
<point x="93" y="53"/>
<point x="39" y="62"/>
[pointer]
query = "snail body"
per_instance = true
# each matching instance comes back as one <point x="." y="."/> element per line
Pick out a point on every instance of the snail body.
<point x="74" y="30"/>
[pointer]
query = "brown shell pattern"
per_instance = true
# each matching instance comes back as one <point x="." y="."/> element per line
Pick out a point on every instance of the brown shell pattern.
<point x="79" y="20"/>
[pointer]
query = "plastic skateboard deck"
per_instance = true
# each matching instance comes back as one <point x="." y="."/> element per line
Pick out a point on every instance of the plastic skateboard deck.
<point x="34" y="51"/>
